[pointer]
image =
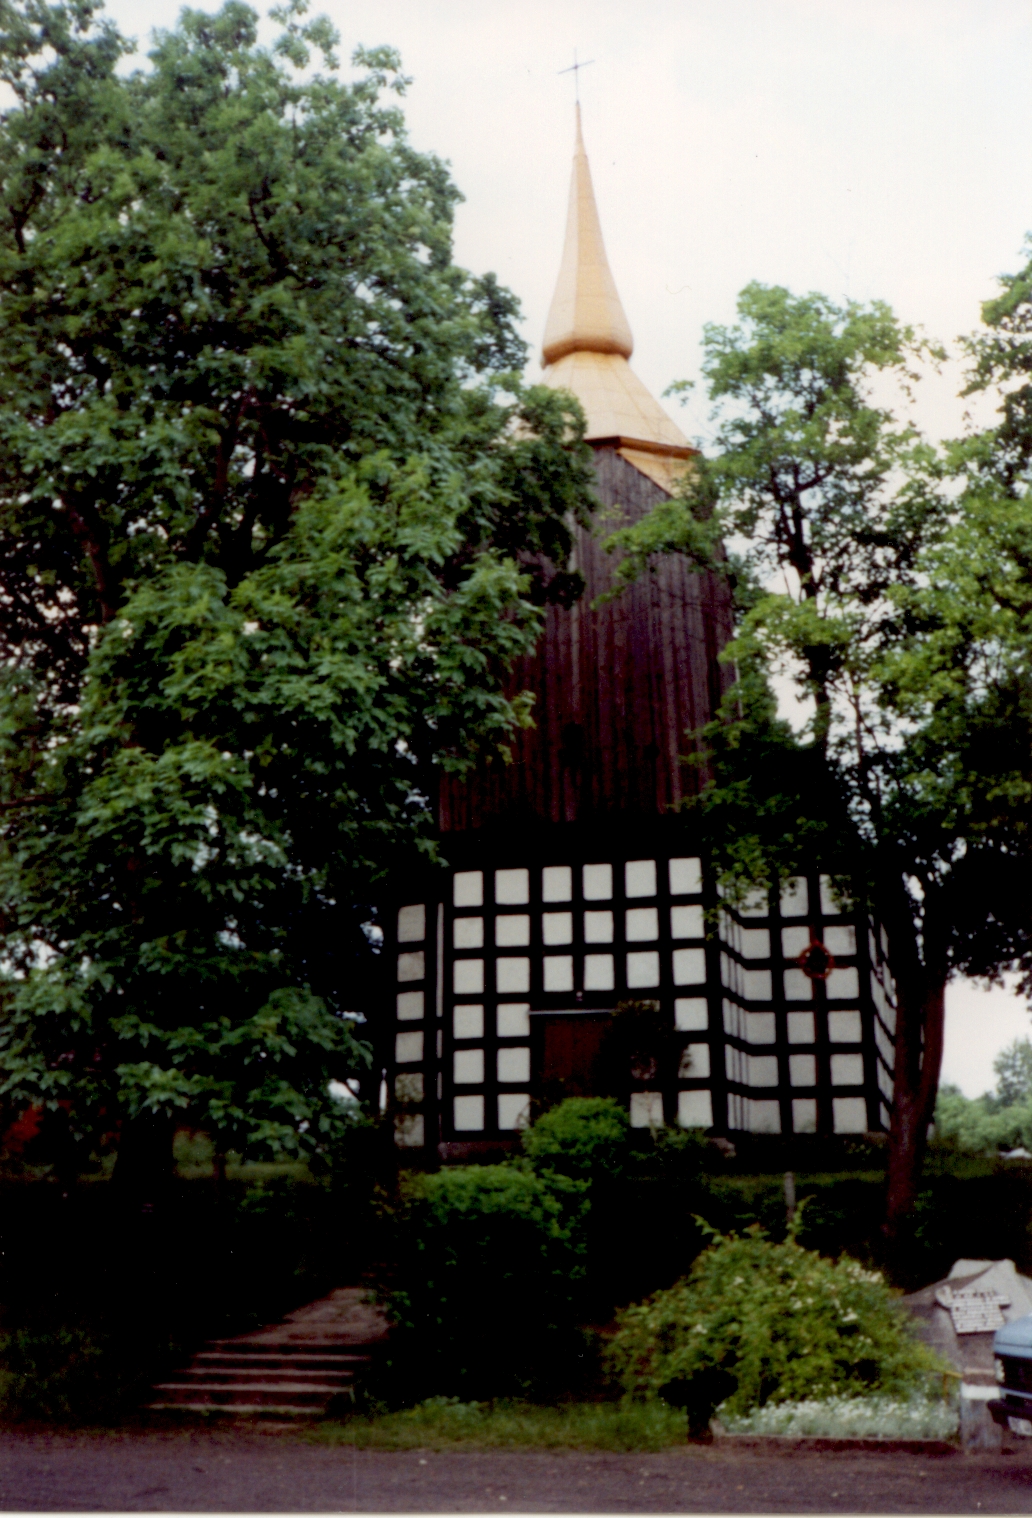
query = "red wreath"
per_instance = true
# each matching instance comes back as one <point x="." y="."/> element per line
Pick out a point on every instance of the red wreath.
<point x="816" y="960"/>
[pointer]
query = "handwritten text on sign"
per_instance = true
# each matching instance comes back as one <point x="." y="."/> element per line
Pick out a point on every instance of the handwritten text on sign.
<point x="973" y="1310"/>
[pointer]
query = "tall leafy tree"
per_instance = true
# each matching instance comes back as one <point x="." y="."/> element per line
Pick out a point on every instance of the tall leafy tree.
<point x="895" y="593"/>
<point x="275" y="518"/>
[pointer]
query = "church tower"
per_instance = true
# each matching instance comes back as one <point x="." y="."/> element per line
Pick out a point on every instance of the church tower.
<point x="572" y="886"/>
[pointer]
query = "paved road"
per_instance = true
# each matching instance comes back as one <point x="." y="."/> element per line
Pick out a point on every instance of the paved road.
<point x="250" y="1471"/>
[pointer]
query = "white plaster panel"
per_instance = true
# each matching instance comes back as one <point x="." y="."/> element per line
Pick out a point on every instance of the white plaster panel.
<point x="557" y="883"/>
<point x="512" y="887"/>
<point x="557" y="928"/>
<point x="468" y="1114"/>
<point x="468" y="932"/>
<point x="513" y="1110"/>
<point x="412" y="924"/>
<point x="798" y="987"/>
<point x="801" y="1028"/>
<point x="691" y="1014"/>
<point x="844" y="1027"/>
<point x="512" y="930"/>
<point x="847" y="1069"/>
<point x="468" y="1021"/>
<point x="514" y="1066"/>
<point x="643" y="969"/>
<point x="804" y="1114"/>
<point x="598" y="972"/>
<point x="642" y="925"/>
<point x="513" y="1019"/>
<point x="412" y="966"/>
<point x="512" y="973"/>
<point x="687" y="922"/>
<point x="843" y="982"/>
<point x="468" y="1067"/>
<point x="695" y="1109"/>
<point x="840" y="940"/>
<point x="598" y="927"/>
<point x="468" y="977"/>
<point x="408" y="1048"/>
<point x="695" y="1062"/>
<point x="763" y="1070"/>
<point x="598" y="882"/>
<point x="849" y="1114"/>
<point x="689" y="967"/>
<point x="410" y="1006"/>
<point x="685" y="877"/>
<point x="640" y="877"/>
<point x="802" y="1069"/>
<point x="558" y="969"/>
<point x="646" y="1109"/>
<point x="468" y="888"/>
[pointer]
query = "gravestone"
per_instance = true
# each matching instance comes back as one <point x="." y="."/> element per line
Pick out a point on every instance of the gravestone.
<point x="957" y="1317"/>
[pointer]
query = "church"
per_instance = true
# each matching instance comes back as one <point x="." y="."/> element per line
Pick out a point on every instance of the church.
<point x="570" y="888"/>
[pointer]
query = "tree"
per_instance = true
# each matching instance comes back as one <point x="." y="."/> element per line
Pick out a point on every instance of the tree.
<point x="1013" y="1068"/>
<point x="265" y="476"/>
<point x="1000" y="1119"/>
<point x="895" y="592"/>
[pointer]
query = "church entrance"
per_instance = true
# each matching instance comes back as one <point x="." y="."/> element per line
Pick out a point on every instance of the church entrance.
<point x="566" y="1053"/>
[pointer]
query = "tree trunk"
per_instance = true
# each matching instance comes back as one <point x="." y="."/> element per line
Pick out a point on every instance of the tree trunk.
<point x="920" y="1016"/>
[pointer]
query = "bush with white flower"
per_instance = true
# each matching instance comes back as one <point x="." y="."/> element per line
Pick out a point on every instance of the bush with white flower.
<point x="757" y="1323"/>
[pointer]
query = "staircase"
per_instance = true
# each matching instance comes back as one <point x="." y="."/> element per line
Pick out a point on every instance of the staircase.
<point x="299" y="1368"/>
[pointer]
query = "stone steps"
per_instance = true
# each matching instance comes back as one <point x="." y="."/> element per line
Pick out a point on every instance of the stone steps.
<point x="300" y="1368"/>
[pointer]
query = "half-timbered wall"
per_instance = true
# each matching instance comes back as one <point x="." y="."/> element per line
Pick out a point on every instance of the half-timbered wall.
<point x="761" y="1047"/>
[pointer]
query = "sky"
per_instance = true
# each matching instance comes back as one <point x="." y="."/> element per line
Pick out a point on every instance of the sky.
<point x="870" y="149"/>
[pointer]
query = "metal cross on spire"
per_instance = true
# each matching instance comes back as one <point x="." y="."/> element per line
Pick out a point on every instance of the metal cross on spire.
<point x="575" y="69"/>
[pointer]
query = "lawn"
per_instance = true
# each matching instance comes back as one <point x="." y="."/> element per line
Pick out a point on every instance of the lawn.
<point x="444" y="1422"/>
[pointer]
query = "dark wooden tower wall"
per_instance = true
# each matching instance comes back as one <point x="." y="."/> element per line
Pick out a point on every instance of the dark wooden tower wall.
<point x="618" y="686"/>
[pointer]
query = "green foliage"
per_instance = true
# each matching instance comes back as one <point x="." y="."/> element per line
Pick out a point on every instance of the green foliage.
<point x="901" y="612"/>
<point x="644" y="1187"/>
<point x="889" y="581"/>
<point x="1013" y="1067"/>
<point x="1000" y="1119"/>
<point x="266" y="476"/>
<point x="1002" y="362"/>
<point x="489" y="1262"/>
<point x="54" y="1374"/>
<point x="758" y="1322"/>
<point x="980" y="1125"/>
<point x="442" y="1422"/>
<point x="583" y="1137"/>
<point x="496" y="1266"/>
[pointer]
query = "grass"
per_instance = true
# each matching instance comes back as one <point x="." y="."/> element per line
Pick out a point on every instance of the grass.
<point x="445" y="1421"/>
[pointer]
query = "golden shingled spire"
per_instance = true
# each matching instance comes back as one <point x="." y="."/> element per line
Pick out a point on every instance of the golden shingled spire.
<point x="585" y="314"/>
<point x="588" y="342"/>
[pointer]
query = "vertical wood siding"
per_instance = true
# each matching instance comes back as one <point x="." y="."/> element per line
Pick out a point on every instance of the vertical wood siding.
<point x="617" y="687"/>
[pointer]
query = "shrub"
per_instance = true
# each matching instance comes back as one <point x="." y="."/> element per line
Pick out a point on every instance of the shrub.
<point x="486" y="1286"/>
<point x="757" y="1322"/>
<point x="645" y="1187"/>
<point x="54" y="1374"/>
<point x="583" y="1137"/>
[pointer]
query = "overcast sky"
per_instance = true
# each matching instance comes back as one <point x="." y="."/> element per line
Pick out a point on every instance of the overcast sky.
<point x="864" y="148"/>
